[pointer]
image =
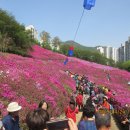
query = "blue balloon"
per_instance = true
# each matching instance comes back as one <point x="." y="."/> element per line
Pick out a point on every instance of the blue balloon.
<point x="88" y="4"/>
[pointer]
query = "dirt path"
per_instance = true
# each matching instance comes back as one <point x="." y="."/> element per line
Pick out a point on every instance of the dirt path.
<point x="113" y="123"/>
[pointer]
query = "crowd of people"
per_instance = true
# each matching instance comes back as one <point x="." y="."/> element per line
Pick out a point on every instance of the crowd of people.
<point x="93" y="101"/>
<point x="36" y="119"/>
<point x="85" y="89"/>
<point x="90" y="97"/>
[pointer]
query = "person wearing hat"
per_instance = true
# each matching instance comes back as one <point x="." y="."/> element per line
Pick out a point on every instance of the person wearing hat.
<point x="105" y="103"/>
<point x="11" y="121"/>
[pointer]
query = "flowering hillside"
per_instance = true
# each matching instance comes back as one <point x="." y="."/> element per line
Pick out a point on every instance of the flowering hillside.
<point x="29" y="80"/>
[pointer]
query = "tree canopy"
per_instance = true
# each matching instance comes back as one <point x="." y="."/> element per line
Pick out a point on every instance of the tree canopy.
<point x="45" y="37"/>
<point x="124" y="65"/>
<point x="13" y="36"/>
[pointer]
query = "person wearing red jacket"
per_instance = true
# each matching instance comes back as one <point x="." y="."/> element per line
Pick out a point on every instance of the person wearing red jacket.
<point x="71" y="110"/>
<point x="105" y="103"/>
<point x="79" y="101"/>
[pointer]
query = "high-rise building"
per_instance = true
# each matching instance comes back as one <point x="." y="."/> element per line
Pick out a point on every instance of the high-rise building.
<point x="108" y="52"/>
<point x="115" y="54"/>
<point x="100" y="49"/>
<point x="33" y="31"/>
<point x="105" y="51"/>
<point x="121" y="53"/>
<point x="124" y="51"/>
<point x="127" y="50"/>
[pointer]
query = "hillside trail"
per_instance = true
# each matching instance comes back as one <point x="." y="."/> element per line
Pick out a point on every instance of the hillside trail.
<point x="113" y="123"/>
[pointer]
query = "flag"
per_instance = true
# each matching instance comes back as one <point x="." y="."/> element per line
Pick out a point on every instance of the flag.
<point x="88" y="4"/>
<point x="70" y="53"/>
<point x="71" y="48"/>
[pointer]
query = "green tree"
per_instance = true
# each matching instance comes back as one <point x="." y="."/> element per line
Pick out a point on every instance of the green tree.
<point x="88" y="55"/>
<point x="126" y="65"/>
<point x="64" y="49"/>
<point x="17" y="39"/>
<point x="111" y="62"/>
<point x="45" y="37"/>
<point x="56" y="42"/>
<point x="5" y="43"/>
<point x="119" y="65"/>
<point x="32" y="39"/>
<point x="98" y="58"/>
<point x="46" y="46"/>
<point x="77" y="52"/>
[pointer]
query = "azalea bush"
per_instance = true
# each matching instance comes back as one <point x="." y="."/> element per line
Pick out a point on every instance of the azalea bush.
<point x="28" y="81"/>
<point x="42" y="76"/>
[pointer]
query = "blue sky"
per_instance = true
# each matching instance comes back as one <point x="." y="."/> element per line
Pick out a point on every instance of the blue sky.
<point x="108" y="23"/>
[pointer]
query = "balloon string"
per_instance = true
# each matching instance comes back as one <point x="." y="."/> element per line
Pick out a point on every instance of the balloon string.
<point x="78" y="25"/>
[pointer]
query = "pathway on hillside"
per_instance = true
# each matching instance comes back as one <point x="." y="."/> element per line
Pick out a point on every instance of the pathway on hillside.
<point x="113" y="123"/>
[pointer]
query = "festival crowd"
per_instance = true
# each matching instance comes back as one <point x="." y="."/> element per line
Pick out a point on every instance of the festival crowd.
<point x="95" y="103"/>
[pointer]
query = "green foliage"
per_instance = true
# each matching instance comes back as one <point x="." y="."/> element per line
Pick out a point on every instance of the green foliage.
<point x="88" y="55"/>
<point x="13" y="36"/>
<point x="64" y="49"/>
<point x="99" y="58"/>
<point x="56" y="42"/>
<point x="111" y="62"/>
<point x="45" y="37"/>
<point x="126" y="65"/>
<point x="5" y="42"/>
<point x="119" y="65"/>
<point x="46" y="46"/>
<point x="92" y="56"/>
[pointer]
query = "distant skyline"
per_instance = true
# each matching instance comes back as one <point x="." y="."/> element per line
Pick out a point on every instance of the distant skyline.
<point x="107" y="24"/>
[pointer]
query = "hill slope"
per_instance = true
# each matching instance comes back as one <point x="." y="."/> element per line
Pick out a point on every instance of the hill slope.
<point x="75" y="44"/>
<point x="29" y="80"/>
